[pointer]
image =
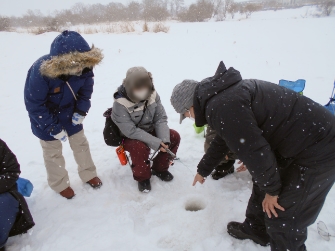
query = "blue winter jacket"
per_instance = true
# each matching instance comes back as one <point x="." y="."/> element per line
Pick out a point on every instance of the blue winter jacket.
<point x="48" y="99"/>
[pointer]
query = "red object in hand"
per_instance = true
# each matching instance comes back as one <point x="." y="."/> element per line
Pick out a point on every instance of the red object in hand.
<point x="122" y="155"/>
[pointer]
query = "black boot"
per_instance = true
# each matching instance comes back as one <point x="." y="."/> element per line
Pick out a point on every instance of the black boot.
<point x="220" y="174"/>
<point x="164" y="176"/>
<point x="3" y="248"/>
<point x="238" y="231"/>
<point x="144" y="186"/>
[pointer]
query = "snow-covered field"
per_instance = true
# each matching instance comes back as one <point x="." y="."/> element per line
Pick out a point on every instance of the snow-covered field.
<point x="269" y="46"/>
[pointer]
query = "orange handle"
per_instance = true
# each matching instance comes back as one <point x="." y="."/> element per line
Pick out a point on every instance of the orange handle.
<point x="122" y="155"/>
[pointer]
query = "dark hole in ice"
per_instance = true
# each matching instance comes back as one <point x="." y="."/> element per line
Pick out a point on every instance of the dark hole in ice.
<point x="194" y="205"/>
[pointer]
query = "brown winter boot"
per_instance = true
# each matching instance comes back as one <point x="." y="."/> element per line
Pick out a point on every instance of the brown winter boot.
<point x="95" y="182"/>
<point x="67" y="193"/>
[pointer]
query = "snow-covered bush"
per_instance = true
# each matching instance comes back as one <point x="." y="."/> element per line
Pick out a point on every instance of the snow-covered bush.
<point x="160" y="27"/>
<point x="126" y="27"/>
<point x="145" y="27"/>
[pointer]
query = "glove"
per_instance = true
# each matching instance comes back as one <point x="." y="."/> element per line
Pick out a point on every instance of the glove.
<point x="24" y="187"/>
<point x="77" y="119"/>
<point x="62" y="136"/>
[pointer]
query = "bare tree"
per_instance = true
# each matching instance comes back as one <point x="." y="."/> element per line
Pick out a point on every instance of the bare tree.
<point x="218" y="7"/>
<point x="53" y="24"/>
<point x="197" y="12"/>
<point x="64" y="16"/>
<point x="233" y="8"/>
<point x="271" y="5"/>
<point x="4" y="23"/>
<point x="78" y="8"/>
<point x="154" y="10"/>
<point x="326" y="7"/>
<point x="172" y="9"/>
<point x="250" y="8"/>
<point x="227" y="7"/>
<point x="179" y="4"/>
<point x="115" y="12"/>
<point x="33" y="18"/>
<point x="227" y="4"/>
<point x="148" y="10"/>
<point x="134" y="11"/>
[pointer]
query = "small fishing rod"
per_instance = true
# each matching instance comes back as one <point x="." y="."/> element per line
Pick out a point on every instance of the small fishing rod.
<point x="174" y="156"/>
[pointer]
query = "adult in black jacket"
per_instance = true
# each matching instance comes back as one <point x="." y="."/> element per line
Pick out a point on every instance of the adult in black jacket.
<point x="15" y="217"/>
<point x="286" y="140"/>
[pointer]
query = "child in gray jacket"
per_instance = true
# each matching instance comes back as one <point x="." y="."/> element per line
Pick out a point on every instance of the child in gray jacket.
<point x="141" y="119"/>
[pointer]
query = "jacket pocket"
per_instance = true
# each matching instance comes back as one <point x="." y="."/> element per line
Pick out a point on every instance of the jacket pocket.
<point x="151" y="111"/>
<point x="54" y="99"/>
<point x="55" y="94"/>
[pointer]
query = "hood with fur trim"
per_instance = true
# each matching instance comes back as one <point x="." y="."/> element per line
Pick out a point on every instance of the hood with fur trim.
<point x="70" y="50"/>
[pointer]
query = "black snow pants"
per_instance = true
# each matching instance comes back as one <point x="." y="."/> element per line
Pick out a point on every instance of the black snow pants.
<point x="304" y="190"/>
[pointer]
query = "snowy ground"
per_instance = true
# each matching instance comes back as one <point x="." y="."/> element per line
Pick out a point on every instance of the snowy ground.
<point x="269" y="46"/>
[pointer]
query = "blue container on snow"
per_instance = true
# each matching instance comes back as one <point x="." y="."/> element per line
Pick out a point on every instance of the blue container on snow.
<point x="297" y="86"/>
<point x="25" y="187"/>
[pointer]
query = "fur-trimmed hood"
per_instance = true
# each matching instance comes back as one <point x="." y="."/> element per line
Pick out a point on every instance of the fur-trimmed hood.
<point x="61" y="65"/>
<point x="69" y="50"/>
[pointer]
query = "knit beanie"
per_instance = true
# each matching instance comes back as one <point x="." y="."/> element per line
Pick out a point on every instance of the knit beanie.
<point x="182" y="96"/>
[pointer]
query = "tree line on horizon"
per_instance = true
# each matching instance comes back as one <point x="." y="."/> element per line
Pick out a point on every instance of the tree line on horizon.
<point x="150" y="10"/>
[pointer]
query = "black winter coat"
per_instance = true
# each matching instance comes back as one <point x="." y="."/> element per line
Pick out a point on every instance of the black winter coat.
<point x="9" y="173"/>
<point x="269" y="127"/>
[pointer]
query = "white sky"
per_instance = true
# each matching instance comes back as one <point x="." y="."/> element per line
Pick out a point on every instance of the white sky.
<point x="19" y="7"/>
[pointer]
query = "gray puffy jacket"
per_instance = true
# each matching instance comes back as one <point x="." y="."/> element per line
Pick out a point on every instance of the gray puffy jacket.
<point x="127" y="116"/>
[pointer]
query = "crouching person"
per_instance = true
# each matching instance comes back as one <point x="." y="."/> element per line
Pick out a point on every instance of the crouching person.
<point x="183" y="100"/>
<point x="57" y="96"/>
<point x="15" y="217"/>
<point x="286" y="140"/>
<point x="141" y="118"/>
<point x="226" y="166"/>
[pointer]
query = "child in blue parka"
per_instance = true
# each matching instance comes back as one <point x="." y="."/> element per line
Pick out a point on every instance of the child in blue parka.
<point x="57" y="96"/>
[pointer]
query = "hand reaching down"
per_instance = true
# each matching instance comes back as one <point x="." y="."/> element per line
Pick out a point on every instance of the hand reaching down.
<point x="198" y="178"/>
<point x="242" y="167"/>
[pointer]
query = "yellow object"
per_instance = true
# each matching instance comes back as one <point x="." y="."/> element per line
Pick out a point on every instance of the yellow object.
<point x="198" y="130"/>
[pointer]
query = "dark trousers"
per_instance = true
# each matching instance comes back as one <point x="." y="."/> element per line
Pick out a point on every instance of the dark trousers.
<point x="139" y="153"/>
<point x="224" y="167"/>
<point x="225" y="164"/>
<point x="304" y="191"/>
<point x="9" y="207"/>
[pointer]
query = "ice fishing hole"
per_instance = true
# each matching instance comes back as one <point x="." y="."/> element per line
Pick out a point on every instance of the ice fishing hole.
<point x="194" y="205"/>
